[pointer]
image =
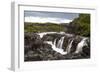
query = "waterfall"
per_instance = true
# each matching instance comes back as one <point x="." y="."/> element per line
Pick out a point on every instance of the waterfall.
<point x="69" y="46"/>
<point x="44" y="33"/>
<point x="58" y="47"/>
<point x="60" y="43"/>
<point x="80" y="45"/>
<point x="59" y="50"/>
<point x="55" y="42"/>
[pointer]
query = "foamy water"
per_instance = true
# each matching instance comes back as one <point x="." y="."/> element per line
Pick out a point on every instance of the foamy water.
<point x="59" y="50"/>
<point x="44" y="33"/>
<point x="58" y="47"/>
<point x="80" y="45"/>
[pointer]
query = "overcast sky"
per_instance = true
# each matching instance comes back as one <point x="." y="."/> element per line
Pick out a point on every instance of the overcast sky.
<point x="53" y="17"/>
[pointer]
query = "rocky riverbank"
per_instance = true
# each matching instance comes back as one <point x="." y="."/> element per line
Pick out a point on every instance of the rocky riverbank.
<point x="55" y="46"/>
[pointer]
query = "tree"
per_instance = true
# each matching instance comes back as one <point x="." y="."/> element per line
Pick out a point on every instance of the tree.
<point x="81" y="25"/>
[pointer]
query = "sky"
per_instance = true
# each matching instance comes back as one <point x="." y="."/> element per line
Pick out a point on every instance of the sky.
<point x="53" y="17"/>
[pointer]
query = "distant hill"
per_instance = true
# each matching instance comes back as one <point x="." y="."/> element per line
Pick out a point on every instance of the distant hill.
<point x="44" y="27"/>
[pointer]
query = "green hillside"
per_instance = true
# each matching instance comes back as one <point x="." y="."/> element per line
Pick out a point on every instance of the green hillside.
<point x="42" y="27"/>
<point x="81" y="25"/>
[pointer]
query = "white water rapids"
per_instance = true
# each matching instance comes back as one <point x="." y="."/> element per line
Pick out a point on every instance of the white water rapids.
<point x="44" y="33"/>
<point x="59" y="50"/>
<point x="59" y="47"/>
<point x="80" y="45"/>
<point x="60" y="43"/>
<point x="69" y="46"/>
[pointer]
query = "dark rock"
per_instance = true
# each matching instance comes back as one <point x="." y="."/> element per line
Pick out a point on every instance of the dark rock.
<point x="36" y="49"/>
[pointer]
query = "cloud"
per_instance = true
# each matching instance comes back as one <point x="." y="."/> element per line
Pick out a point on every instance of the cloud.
<point x="63" y="15"/>
<point x="46" y="19"/>
<point x="54" y="17"/>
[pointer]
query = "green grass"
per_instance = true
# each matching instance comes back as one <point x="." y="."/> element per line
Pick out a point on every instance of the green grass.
<point x="42" y="27"/>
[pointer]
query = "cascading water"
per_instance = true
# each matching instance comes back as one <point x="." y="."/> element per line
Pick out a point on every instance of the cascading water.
<point x="44" y="33"/>
<point x="57" y="49"/>
<point x="69" y="46"/>
<point x="80" y="45"/>
<point x="60" y="43"/>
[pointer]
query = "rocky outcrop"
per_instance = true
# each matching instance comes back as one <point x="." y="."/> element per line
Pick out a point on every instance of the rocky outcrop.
<point x="36" y="48"/>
